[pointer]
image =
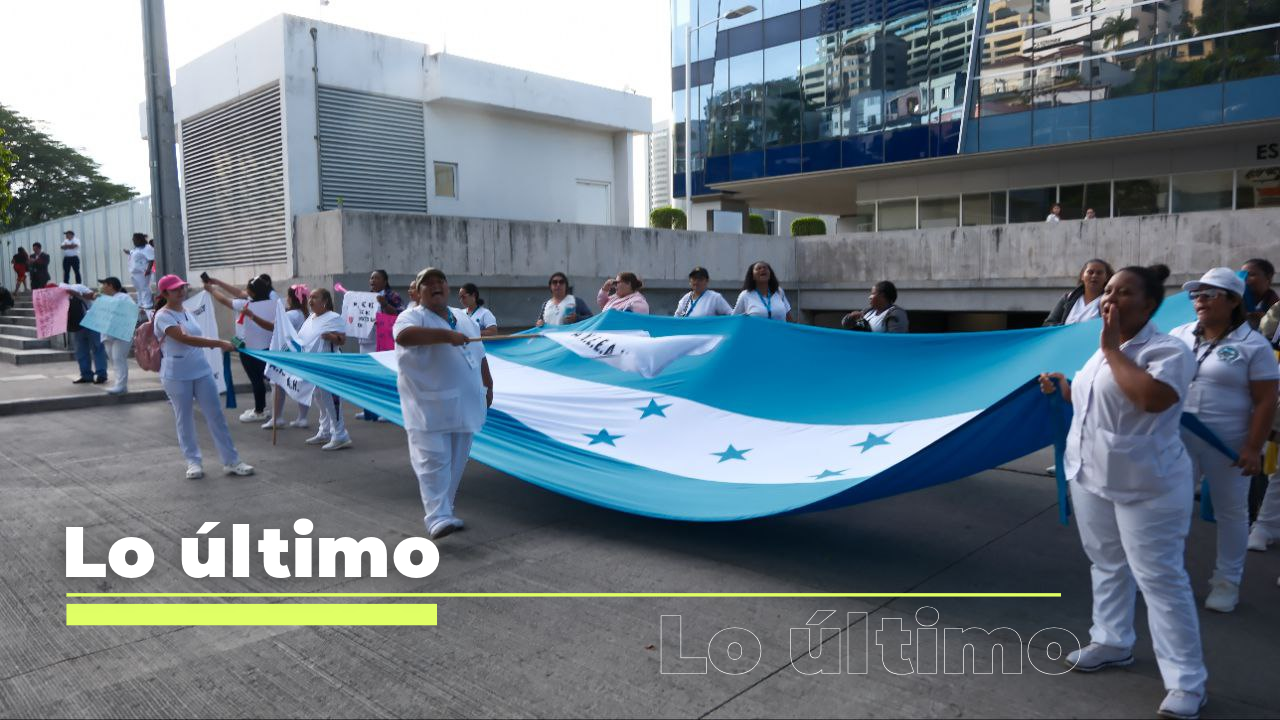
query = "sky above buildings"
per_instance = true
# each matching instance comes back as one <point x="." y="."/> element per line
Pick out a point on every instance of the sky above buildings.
<point x="75" y="66"/>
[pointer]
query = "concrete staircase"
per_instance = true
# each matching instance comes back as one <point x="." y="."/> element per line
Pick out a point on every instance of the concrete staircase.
<point x="18" y="343"/>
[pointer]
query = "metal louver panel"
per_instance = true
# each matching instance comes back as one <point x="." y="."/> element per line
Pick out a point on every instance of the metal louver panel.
<point x="233" y="178"/>
<point x="372" y="152"/>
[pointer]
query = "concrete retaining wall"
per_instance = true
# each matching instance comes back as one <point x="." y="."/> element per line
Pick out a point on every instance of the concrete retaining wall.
<point x="1003" y="268"/>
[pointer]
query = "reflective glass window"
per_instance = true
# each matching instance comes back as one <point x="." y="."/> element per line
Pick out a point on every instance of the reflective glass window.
<point x="1258" y="188"/>
<point x="1071" y="198"/>
<point x="679" y="30"/>
<point x="1254" y="54"/>
<point x="773" y="8"/>
<point x="782" y="30"/>
<point x="1240" y="14"/>
<point x="984" y="208"/>
<point x="1202" y="191"/>
<point x="719" y="108"/>
<point x="1097" y="196"/>
<point x="677" y="130"/>
<point x="744" y="116"/>
<point x="817" y="66"/>
<point x="856" y="63"/>
<point x="1145" y="196"/>
<point x="784" y="102"/>
<point x="896" y="215"/>
<point x="1031" y="204"/>
<point x="940" y="212"/>
<point x="705" y="39"/>
<point x="905" y="65"/>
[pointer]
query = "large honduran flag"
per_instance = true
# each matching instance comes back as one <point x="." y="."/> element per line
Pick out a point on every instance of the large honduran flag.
<point x="736" y="417"/>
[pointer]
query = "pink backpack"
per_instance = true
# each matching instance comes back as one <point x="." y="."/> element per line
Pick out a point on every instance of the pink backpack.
<point x="146" y="348"/>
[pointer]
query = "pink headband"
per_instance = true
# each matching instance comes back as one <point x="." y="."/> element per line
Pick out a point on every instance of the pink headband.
<point x="300" y="292"/>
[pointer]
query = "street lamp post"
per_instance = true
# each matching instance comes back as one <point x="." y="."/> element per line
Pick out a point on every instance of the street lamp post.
<point x="688" y="101"/>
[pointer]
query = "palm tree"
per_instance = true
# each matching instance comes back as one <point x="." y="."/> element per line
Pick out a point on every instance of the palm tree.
<point x="1114" y="29"/>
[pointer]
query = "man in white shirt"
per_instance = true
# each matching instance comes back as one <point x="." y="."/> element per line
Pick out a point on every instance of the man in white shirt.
<point x="445" y="390"/>
<point x="70" y="256"/>
<point x="1055" y="214"/>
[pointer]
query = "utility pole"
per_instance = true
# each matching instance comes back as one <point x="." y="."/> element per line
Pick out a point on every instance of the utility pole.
<point x="166" y="200"/>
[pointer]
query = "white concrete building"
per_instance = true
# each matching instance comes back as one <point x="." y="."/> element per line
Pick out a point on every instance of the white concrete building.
<point x="297" y="116"/>
<point x="660" y="165"/>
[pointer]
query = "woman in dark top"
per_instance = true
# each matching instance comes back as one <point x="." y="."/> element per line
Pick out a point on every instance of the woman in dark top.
<point x="20" y="267"/>
<point x="1082" y="303"/>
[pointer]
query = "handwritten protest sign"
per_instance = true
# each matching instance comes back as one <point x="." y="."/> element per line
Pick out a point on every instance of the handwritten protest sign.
<point x="51" y="311"/>
<point x="360" y="310"/>
<point x="113" y="315"/>
<point x="385" y="324"/>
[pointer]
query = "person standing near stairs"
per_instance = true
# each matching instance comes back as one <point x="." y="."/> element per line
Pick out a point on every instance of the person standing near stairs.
<point x="142" y="262"/>
<point x="90" y="352"/>
<point x="38" y="263"/>
<point x="117" y="349"/>
<point x="71" y="257"/>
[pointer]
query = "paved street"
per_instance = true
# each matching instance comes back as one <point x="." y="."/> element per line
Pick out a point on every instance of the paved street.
<point x="116" y="471"/>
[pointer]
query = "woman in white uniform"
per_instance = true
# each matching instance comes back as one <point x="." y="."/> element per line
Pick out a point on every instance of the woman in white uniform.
<point x="761" y="296"/>
<point x="1131" y="488"/>
<point x="296" y="313"/>
<point x="1234" y="394"/>
<point x="325" y="331"/>
<point x="188" y="380"/>
<point x="699" y="301"/>
<point x="117" y="349"/>
<point x="445" y="390"/>
<point x="142" y="260"/>
<point x="469" y="298"/>
<point x="882" y="314"/>
<point x="252" y="327"/>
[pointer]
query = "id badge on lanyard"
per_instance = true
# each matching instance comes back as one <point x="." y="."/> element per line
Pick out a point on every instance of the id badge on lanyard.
<point x="466" y="352"/>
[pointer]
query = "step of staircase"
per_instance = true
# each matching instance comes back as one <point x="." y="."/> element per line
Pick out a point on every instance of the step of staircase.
<point x="18" y="320"/>
<point x="32" y="357"/>
<point x="19" y="342"/>
<point x="20" y="330"/>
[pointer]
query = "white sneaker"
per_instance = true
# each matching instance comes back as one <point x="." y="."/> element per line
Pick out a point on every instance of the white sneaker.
<point x="1223" y="596"/>
<point x="1182" y="705"/>
<point x="117" y="391"/>
<point x="1259" y="539"/>
<point x="1051" y="470"/>
<point x="194" y="471"/>
<point x="299" y="423"/>
<point x="318" y="439"/>
<point x="240" y="468"/>
<point x="273" y="423"/>
<point x="250" y="416"/>
<point x="337" y="444"/>
<point x="441" y="527"/>
<point x="1094" y="657"/>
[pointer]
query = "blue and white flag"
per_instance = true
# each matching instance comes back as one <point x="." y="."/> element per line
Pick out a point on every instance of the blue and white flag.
<point x="727" y="418"/>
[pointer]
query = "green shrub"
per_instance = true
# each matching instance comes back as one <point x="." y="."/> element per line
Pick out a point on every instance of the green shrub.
<point x="808" y="226"/>
<point x="668" y="218"/>
<point x="756" y="225"/>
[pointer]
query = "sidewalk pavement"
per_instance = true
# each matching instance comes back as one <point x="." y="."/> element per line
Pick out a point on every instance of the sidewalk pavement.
<point x="116" y="472"/>
<point x="47" y="387"/>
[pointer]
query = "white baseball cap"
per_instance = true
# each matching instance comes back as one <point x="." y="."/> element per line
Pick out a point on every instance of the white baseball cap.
<point x="1219" y="277"/>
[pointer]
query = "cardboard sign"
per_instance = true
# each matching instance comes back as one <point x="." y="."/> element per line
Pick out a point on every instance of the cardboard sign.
<point x="360" y="310"/>
<point x="51" y="305"/>
<point x="113" y="315"/>
<point x="386" y="339"/>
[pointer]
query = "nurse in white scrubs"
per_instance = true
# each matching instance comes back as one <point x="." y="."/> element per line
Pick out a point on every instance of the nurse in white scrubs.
<point x="445" y="391"/>
<point x="325" y="331"/>
<point x="1234" y="394"/>
<point x="1131" y="488"/>
<point x="699" y="301"/>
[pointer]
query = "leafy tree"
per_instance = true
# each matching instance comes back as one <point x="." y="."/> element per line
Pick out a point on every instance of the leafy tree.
<point x="7" y="159"/>
<point x="46" y="179"/>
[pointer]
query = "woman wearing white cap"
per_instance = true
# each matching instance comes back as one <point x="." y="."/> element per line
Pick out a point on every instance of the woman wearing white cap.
<point x="699" y="301"/>
<point x="188" y="379"/>
<point x="1234" y="394"/>
<point x="1131" y="488"/>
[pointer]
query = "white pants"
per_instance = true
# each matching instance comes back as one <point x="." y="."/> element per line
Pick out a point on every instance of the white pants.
<point x="183" y="395"/>
<point x="1269" y="513"/>
<point x="1229" y="491"/>
<point x="438" y="460"/>
<point x="142" y="285"/>
<point x="330" y="407"/>
<point x="1140" y="546"/>
<point x="118" y="357"/>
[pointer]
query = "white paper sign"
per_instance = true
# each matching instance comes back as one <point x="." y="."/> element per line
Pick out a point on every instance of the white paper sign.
<point x="360" y="310"/>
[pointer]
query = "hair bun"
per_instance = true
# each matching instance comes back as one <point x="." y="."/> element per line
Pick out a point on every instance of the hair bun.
<point x="1160" y="270"/>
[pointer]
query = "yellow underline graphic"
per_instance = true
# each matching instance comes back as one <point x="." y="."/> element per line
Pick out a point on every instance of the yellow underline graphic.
<point x="602" y="595"/>
<point x="254" y="614"/>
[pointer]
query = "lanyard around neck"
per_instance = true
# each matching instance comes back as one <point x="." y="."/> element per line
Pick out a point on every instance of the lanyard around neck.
<point x="768" y="303"/>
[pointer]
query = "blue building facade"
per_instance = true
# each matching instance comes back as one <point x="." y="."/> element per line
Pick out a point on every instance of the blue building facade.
<point x="801" y="86"/>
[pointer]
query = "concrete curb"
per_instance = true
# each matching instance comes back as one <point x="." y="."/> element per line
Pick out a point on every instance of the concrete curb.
<point x="27" y="406"/>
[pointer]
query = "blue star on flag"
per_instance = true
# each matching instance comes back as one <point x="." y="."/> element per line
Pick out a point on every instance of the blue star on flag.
<point x="829" y="473"/>
<point x="653" y="408"/>
<point x="873" y="440"/>
<point x="602" y="437"/>
<point x="732" y="454"/>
